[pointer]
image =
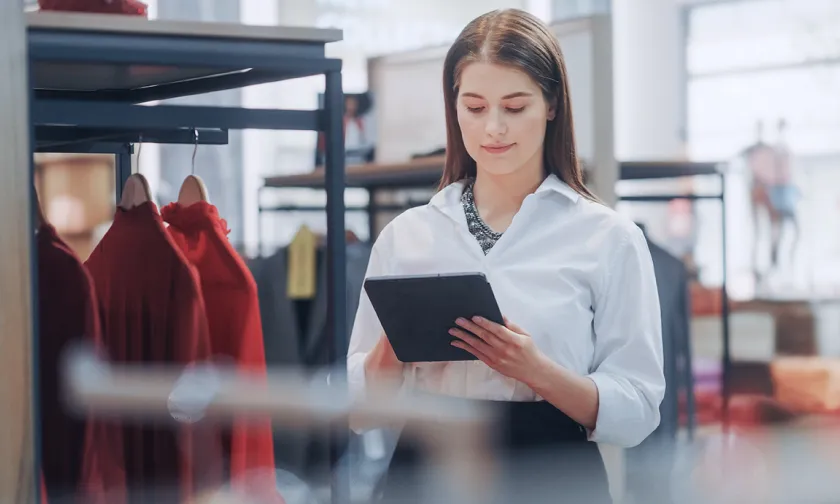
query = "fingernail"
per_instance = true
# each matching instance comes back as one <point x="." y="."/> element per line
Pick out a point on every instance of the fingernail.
<point x="461" y="320"/>
<point x="453" y="332"/>
<point x="478" y="319"/>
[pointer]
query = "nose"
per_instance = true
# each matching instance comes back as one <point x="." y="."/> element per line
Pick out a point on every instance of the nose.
<point x="495" y="125"/>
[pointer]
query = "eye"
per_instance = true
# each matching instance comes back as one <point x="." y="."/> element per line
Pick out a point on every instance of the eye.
<point x="474" y="110"/>
<point x="515" y="110"/>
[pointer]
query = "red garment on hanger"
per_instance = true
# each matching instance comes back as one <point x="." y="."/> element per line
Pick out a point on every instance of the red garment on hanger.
<point x="66" y="314"/>
<point x="127" y="7"/>
<point x="230" y="295"/>
<point x="152" y="311"/>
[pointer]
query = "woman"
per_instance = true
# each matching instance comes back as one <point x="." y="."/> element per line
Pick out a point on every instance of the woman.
<point x="580" y="356"/>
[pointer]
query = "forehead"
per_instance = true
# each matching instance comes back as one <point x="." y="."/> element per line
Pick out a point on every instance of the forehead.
<point x="495" y="81"/>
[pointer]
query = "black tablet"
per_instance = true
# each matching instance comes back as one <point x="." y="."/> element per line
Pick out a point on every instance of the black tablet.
<point x="418" y="311"/>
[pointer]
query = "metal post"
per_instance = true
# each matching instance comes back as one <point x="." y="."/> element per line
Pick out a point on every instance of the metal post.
<point x="260" y="217"/>
<point x="35" y="305"/>
<point x="724" y="313"/>
<point x="333" y="124"/>
<point x="122" y="165"/>
<point x="372" y="212"/>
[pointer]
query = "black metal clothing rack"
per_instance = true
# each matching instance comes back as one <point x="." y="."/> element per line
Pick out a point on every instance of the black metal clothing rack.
<point x="665" y="170"/>
<point x="422" y="173"/>
<point x="92" y="76"/>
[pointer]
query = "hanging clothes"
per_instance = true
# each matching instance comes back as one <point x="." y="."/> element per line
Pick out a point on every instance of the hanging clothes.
<point x="44" y="499"/>
<point x="295" y="333"/>
<point x="655" y="456"/>
<point x="233" y="314"/>
<point x="152" y="312"/>
<point x="66" y="315"/>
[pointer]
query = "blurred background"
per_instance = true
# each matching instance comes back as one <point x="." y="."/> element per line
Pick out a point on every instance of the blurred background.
<point x="714" y="124"/>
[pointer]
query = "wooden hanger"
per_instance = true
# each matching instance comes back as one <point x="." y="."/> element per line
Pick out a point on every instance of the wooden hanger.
<point x="193" y="189"/>
<point x="135" y="192"/>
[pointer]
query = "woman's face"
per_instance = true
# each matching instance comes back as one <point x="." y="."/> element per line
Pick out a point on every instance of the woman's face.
<point x="503" y="115"/>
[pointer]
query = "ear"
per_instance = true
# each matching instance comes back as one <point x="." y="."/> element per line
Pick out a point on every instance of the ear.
<point x="551" y="113"/>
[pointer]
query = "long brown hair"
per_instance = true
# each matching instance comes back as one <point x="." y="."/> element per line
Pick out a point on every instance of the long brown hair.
<point x="516" y="39"/>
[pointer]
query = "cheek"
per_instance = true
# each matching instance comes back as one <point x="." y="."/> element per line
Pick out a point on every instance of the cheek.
<point x="527" y="130"/>
<point x="472" y="130"/>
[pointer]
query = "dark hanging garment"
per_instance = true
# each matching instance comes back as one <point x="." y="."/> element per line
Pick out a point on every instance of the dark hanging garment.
<point x="655" y="456"/>
<point x="152" y="312"/>
<point x="295" y="333"/>
<point x="233" y="314"/>
<point x="66" y="315"/>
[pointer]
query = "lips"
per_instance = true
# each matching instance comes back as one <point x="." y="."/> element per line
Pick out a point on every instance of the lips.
<point x="497" y="149"/>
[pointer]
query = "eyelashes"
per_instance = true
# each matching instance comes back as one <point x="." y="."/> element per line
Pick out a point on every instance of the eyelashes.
<point x="476" y="110"/>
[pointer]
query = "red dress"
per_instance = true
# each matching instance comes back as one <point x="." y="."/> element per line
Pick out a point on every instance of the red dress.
<point x="230" y="295"/>
<point x="152" y="311"/>
<point x="66" y="315"/>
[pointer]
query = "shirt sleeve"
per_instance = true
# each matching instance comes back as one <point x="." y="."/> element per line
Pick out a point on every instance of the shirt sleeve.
<point x="628" y="361"/>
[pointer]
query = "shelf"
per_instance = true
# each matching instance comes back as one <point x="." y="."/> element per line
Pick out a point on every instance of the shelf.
<point x="651" y="198"/>
<point x="139" y="117"/>
<point x="426" y="172"/>
<point x="643" y="170"/>
<point x="107" y="57"/>
<point x="56" y="138"/>
<point x="418" y="173"/>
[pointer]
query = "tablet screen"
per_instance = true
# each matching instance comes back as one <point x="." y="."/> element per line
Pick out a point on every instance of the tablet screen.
<point x="418" y="311"/>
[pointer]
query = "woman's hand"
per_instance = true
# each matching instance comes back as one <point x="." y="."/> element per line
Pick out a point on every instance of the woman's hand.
<point x="507" y="348"/>
<point x="382" y="363"/>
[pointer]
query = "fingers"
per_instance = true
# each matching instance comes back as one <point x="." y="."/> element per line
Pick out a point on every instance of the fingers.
<point x="472" y="344"/>
<point x="487" y="329"/>
<point x="478" y="354"/>
<point x="471" y="340"/>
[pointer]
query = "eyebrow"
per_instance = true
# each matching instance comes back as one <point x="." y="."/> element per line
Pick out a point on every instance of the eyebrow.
<point x="506" y="97"/>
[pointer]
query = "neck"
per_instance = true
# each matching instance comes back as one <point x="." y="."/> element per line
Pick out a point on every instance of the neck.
<point x="499" y="197"/>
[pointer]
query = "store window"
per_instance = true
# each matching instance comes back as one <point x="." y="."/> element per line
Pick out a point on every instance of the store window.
<point x="769" y="70"/>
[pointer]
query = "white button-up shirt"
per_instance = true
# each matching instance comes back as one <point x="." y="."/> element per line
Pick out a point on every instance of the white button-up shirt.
<point x="573" y="273"/>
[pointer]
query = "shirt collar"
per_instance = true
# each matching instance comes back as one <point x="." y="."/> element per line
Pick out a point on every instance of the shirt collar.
<point x="451" y="194"/>
<point x="554" y="184"/>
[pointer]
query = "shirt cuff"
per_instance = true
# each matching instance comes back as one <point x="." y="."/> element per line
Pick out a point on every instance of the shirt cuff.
<point x="609" y="423"/>
<point x="356" y="374"/>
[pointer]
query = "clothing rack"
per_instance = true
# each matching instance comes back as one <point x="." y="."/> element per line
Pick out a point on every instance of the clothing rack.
<point x="89" y="75"/>
<point x="670" y="170"/>
<point x="374" y="178"/>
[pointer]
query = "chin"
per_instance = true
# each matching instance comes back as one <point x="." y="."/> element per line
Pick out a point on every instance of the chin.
<point x="499" y="165"/>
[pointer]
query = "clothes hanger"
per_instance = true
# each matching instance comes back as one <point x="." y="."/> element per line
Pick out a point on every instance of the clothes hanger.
<point x="136" y="190"/>
<point x="193" y="189"/>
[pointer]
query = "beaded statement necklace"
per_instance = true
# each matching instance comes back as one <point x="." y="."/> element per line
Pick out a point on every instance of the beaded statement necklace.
<point x="478" y="228"/>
